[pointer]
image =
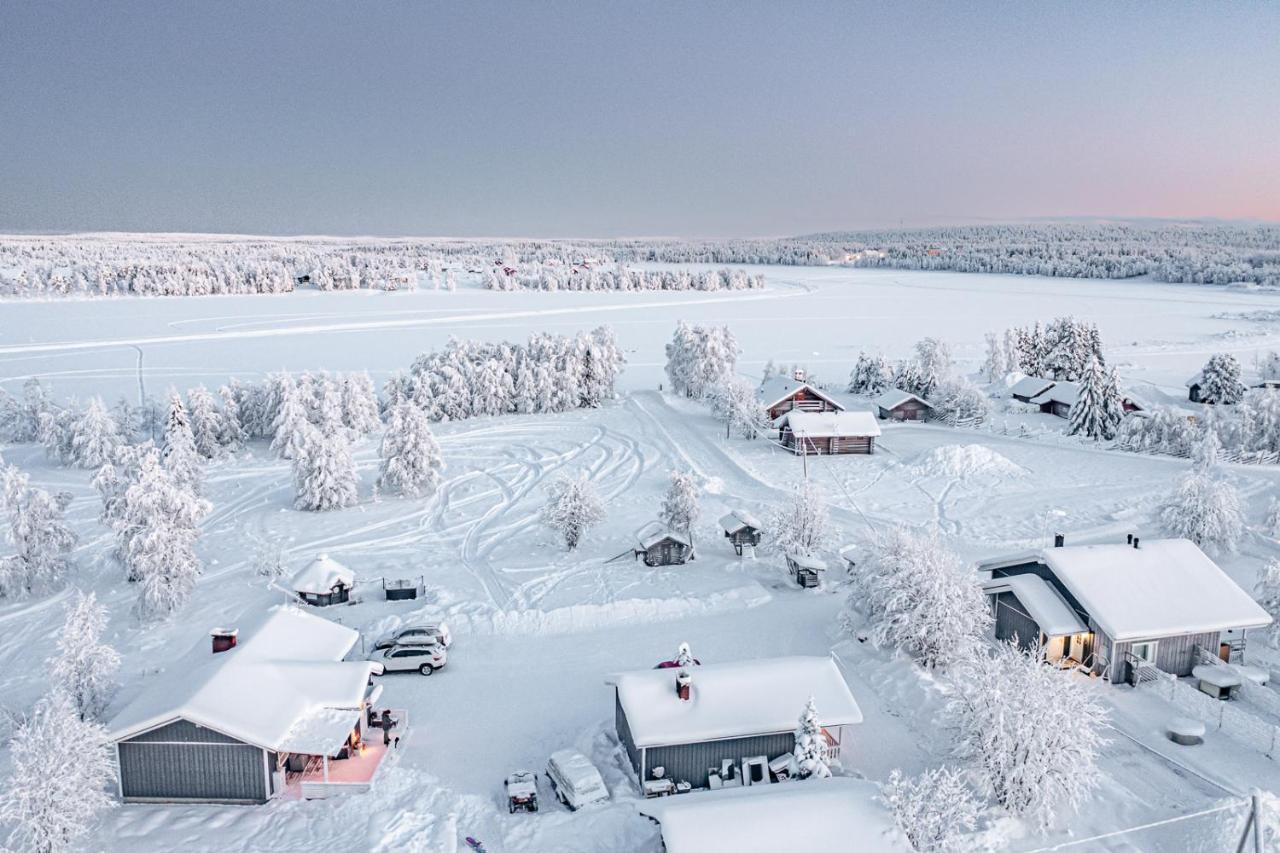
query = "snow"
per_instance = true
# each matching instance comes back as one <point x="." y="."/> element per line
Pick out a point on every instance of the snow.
<point x="274" y="688"/>
<point x="733" y="699"/>
<point x="576" y="769"/>
<point x="321" y="575"/>
<point x="739" y="519"/>
<point x="1164" y="587"/>
<point x="828" y="424"/>
<point x="655" y="532"/>
<point x="779" y="388"/>
<point x="1043" y="603"/>
<point x="805" y="561"/>
<point x="1219" y="675"/>
<point x="960" y="461"/>
<point x="821" y="816"/>
<point x="1060" y="392"/>
<point x="1030" y="386"/>
<point x="895" y="397"/>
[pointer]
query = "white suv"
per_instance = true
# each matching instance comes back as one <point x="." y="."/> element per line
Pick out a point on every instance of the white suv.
<point x="419" y="657"/>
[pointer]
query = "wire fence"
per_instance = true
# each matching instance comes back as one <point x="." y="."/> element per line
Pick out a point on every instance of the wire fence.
<point x="1236" y="826"/>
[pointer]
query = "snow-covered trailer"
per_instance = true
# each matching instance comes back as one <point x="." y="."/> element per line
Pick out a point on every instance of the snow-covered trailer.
<point x="660" y="546"/>
<point x="741" y="528"/>
<point x="809" y="433"/>
<point x="323" y="581"/>
<point x="1115" y="609"/>
<point x="782" y="394"/>
<point x="733" y="712"/>
<point x="898" y="405"/>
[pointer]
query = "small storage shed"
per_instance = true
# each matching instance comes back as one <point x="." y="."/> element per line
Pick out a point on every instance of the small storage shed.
<point x="741" y="528"/>
<point x="835" y="815"/>
<point x="323" y="581"/>
<point x="782" y="394"/>
<point x="1057" y="400"/>
<point x="811" y="433"/>
<point x="1029" y="387"/>
<point x="806" y="570"/>
<point x="658" y="545"/>
<point x="898" y="405"/>
<point x="729" y="712"/>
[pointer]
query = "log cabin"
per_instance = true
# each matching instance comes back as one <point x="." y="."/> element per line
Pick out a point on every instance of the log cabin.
<point x="898" y="405"/>
<point x="659" y="545"/>
<point x="811" y="433"/>
<point x="323" y="581"/>
<point x="742" y="529"/>
<point x="781" y="394"/>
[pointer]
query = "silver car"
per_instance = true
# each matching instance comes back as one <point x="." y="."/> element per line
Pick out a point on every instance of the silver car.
<point x="425" y="658"/>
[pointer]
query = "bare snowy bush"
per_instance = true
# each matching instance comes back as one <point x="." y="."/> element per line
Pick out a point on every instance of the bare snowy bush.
<point x="85" y="666"/>
<point x="935" y="809"/>
<point x="572" y="507"/>
<point x="700" y="359"/>
<point x="1034" y="732"/>
<point x="919" y="596"/>
<point x="801" y="523"/>
<point x="958" y="399"/>
<point x="38" y="533"/>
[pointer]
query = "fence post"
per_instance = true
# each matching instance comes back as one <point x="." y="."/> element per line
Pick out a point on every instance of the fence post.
<point x="1256" y="799"/>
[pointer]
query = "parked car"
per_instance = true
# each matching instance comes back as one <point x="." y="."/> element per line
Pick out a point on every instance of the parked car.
<point x="522" y="791"/>
<point x="575" y="780"/>
<point x="425" y="658"/>
<point x="431" y="632"/>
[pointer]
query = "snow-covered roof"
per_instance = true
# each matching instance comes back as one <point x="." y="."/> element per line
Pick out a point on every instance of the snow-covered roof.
<point x="1198" y="379"/>
<point x="655" y="531"/>
<point x="321" y="575"/>
<point x="1061" y="392"/>
<point x="829" y="424"/>
<point x="805" y="561"/>
<point x="1219" y="675"/>
<point x="737" y="519"/>
<point x="779" y="388"/>
<point x="1030" y="386"/>
<point x="1163" y="588"/>
<point x="1043" y="603"/>
<point x="833" y="815"/>
<point x="284" y="686"/>
<point x="895" y="397"/>
<point x="733" y="700"/>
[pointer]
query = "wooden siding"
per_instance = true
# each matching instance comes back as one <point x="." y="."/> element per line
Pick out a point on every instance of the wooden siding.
<point x="745" y="536"/>
<point x="690" y="762"/>
<point x="911" y="410"/>
<point x="1013" y="620"/>
<point x="666" y="553"/>
<point x="1174" y="654"/>
<point x="182" y="762"/>
<point x="828" y="445"/>
<point x="802" y="400"/>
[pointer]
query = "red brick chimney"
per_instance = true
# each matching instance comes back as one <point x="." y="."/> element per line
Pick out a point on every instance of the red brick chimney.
<point x="223" y="639"/>
<point x="683" y="682"/>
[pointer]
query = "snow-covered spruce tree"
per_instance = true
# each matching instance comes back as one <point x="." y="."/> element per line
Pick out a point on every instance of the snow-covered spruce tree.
<point x="933" y="356"/>
<point x="37" y="530"/>
<point x="1203" y="507"/>
<point x="1034" y="735"/>
<point x="994" y="367"/>
<point x="289" y="427"/>
<point x="324" y="472"/>
<point x="739" y="404"/>
<point x="207" y="423"/>
<point x="870" y="376"/>
<point x="919" y="596"/>
<point x="181" y="459"/>
<point x="1096" y="412"/>
<point x="20" y="419"/>
<point x="55" y="433"/>
<point x="935" y="809"/>
<point x="157" y="523"/>
<point x="572" y="506"/>
<point x="94" y="436"/>
<point x="1267" y="592"/>
<point x="908" y="377"/>
<point x="810" y="750"/>
<point x="359" y="403"/>
<point x="801" y="524"/>
<point x="232" y="433"/>
<point x="85" y="666"/>
<point x="601" y="362"/>
<point x="680" y="507"/>
<point x="1220" y="380"/>
<point x="958" y="399"/>
<point x="411" y="459"/>
<point x="58" y="785"/>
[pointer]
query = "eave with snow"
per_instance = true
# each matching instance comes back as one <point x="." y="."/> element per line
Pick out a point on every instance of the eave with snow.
<point x="809" y="433"/>
<point x="1111" y="607"/>
<point x="782" y="394"/>
<point x="270" y="710"/>
<point x="733" y="712"/>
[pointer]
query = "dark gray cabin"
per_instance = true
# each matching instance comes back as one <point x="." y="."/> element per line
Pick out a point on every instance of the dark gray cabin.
<point x="658" y="546"/>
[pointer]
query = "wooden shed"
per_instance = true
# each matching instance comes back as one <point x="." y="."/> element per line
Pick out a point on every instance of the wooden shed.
<point x="658" y="545"/>
<point x="897" y="405"/>
<point x="805" y="569"/>
<point x="742" y="529"/>
<point x="1058" y="399"/>
<point x="828" y="432"/>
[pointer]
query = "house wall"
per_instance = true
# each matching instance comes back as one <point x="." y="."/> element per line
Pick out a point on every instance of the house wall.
<point x="911" y="410"/>
<point x="623" y="729"/>
<point x="690" y="762"/>
<point x="183" y="762"/>
<point x="825" y="446"/>
<point x="1173" y="654"/>
<point x="666" y="553"/>
<point x="1012" y="619"/>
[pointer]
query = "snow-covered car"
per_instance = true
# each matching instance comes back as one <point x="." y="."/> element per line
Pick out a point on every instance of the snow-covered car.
<point x="522" y="791"/>
<point x="431" y="632"/>
<point x="575" y="780"/>
<point x="425" y="658"/>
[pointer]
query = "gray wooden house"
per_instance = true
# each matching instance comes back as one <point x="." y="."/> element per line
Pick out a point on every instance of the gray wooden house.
<point x="243" y="718"/>
<point x="1058" y="399"/>
<point x="323" y="581"/>
<point x="1115" y="607"/>
<point x="742" y="529"/>
<point x="742" y="714"/>
<point x="658" y="545"/>
<point x="898" y="405"/>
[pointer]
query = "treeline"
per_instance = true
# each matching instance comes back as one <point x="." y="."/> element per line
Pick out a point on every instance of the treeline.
<point x="575" y="277"/>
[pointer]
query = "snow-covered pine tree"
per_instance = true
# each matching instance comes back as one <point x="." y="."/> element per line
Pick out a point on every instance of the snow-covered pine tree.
<point x="1205" y="509"/>
<point x="37" y="530"/>
<point x="55" y="433"/>
<point x="411" y="459"/>
<point x="359" y="403"/>
<point x="572" y="507"/>
<point x="870" y="376"/>
<point x="232" y="435"/>
<point x="935" y="809"/>
<point x="908" y="377"/>
<point x="157" y="523"/>
<point x="933" y="356"/>
<point x="324" y="472"/>
<point x="1267" y="592"/>
<point x="207" y="423"/>
<point x="994" y="367"/>
<point x="680" y="507"/>
<point x="1206" y="452"/>
<point x="801" y="524"/>
<point x="919" y="596"/>
<point x="1220" y="380"/>
<point x="94" y="436"/>
<point x="58" y="785"/>
<point x="1096" y="412"/>
<point x="1035" y="735"/>
<point x="810" y="750"/>
<point x="181" y="459"/>
<point x="85" y="666"/>
<point x="289" y="428"/>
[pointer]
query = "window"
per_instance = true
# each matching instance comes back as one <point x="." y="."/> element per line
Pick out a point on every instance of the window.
<point x="1145" y="651"/>
<point x="408" y="653"/>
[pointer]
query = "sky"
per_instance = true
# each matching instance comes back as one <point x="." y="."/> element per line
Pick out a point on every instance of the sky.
<point x="600" y="119"/>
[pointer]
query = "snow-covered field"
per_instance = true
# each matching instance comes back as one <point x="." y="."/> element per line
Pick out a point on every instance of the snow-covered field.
<point x="538" y="629"/>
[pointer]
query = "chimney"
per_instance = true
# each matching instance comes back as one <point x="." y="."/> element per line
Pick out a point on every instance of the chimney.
<point x="1128" y="539"/>
<point x="223" y="639"/>
<point x="1059" y="540"/>
<point x="1135" y="541"/>
<point x="683" y="682"/>
<point x="798" y="374"/>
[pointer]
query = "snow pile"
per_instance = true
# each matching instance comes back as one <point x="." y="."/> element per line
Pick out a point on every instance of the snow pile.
<point x="961" y="461"/>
